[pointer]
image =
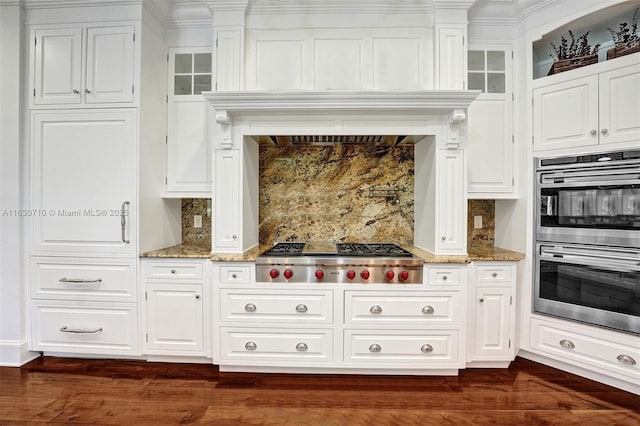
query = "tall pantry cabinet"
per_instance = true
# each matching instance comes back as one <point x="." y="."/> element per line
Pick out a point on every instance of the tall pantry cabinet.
<point x="86" y="135"/>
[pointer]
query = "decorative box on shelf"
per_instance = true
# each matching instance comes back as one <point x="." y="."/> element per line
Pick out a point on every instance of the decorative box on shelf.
<point x="572" y="63"/>
<point x="618" y="51"/>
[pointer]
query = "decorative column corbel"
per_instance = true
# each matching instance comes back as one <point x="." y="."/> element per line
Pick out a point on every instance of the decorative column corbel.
<point x="223" y="118"/>
<point x="456" y="120"/>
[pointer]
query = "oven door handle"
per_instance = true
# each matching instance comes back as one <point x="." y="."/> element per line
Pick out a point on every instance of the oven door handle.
<point x="621" y="264"/>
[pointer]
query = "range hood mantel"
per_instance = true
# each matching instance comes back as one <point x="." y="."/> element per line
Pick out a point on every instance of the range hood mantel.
<point x="426" y="100"/>
<point x="448" y="105"/>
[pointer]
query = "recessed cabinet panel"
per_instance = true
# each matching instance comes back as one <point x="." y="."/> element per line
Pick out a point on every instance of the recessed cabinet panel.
<point x="188" y="165"/>
<point x="227" y="200"/>
<point x="110" y="53"/>
<point x="175" y="318"/>
<point x="620" y="105"/>
<point x="492" y="321"/>
<point x="451" y="202"/>
<point x="490" y="148"/>
<point x="83" y="182"/>
<point x="57" y="65"/>
<point x="565" y="115"/>
<point x="396" y="63"/>
<point x="279" y="64"/>
<point x="338" y="64"/>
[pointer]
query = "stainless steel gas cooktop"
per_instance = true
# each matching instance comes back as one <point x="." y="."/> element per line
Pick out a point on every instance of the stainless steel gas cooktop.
<point x="348" y="263"/>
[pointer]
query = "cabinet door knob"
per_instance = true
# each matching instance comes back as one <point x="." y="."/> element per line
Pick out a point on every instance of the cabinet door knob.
<point x="234" y="275"/>
<point x="427" y="309"/>
<point x="481" y="299"/>
<point x="173" y="271"/>
<point x="76" y="91"/>
<point x="250" y="307"/>
<point x="301" y="347"/>
<point x="235" y="237"/>
<point x="375" y="348"/>
<point x="445" y="277"/>
<point x="198" y="296"/>
<point x="626" y="359"/>
<point x="87" y="91"/>
<point x="375" y="309"/>
<point x="426" y="348"/>
<point x="250" y="346"/>
<point x="604" y="131"/>
<point x="567" y="344"/>
<point x="594" y="131"/>
<point x="302" y="308"/>
<point x="443" y="238"/>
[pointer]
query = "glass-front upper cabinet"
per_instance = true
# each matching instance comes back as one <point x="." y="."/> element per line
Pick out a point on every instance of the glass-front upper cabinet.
<point x="191" y="72"/>
<point x="490" y="129"/>
<point x="188" y="137"/>
<point x="487" y="71"/>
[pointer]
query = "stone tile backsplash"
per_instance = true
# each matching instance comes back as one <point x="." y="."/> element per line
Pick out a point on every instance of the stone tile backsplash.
<point x="322" y="193"/>
<point x="484" y="237"/>
<point x="191" y="235"/>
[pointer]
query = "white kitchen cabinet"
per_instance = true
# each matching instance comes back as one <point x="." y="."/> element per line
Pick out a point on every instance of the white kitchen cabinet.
<point x="188" y="134"/>
<point x="604" y="351"/>
<point x="176" y="310"/>
<point x="227" y="206"/>
<point x="87" y="64"/>
<point x="598" y="108"/>
<point x="83" y="182"/>
<point x="491" y="323"/>
<point x="451" y="201"/>
<point x="490" y="123"/>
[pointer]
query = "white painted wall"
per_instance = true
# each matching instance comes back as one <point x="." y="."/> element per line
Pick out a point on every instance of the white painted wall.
<point x="13" y="340"/>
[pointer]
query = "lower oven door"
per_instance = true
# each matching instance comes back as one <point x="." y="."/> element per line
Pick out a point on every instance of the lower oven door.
<point x="596" y="285"/>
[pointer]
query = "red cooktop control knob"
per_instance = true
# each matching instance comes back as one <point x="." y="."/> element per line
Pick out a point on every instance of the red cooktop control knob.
<point x="403" y="276"/>
<point x="319" y="274"/>
<point x="364" y="275"/>
<point x="288" y="273"/>
<point x="351" y="274"/>
<point x="389" y="275"/>
<point x="274" y="273"/>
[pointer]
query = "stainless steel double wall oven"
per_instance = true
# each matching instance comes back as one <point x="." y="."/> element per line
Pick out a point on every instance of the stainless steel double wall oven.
<point x="587" y="259"/>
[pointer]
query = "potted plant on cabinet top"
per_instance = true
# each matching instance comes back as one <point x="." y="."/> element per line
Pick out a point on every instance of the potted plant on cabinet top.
<point x="575" y="55"/>
<point x="626" y="39"/>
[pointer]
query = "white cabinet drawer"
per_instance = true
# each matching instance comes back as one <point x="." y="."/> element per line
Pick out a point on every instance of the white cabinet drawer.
<point x="442" y="276"/>
<point x="83" y="279"/>
<point x="493" y="273"/>
<point x="592" y="350"/>
<point x="272" y="306"/>
<point x="410" y="308"/>
<point x="236" y="274"/>
<point x="428" y="349"/>
<point x="276" y="344"/>
<point x="89" y="327"/>
<point x="187" y="270"/>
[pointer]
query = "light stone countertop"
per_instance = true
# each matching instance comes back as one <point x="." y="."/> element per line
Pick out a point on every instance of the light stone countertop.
<point x="495" y="254"/>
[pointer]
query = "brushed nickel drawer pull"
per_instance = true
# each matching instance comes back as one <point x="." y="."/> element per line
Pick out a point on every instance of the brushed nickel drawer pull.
<point x="444" y="278"/>
<point x="302" y="308"/>
<point x="123" y="220"/>
<point x="250" y="307"/>
<point x="495" y="274"/>
<point x="426" y="348"/>
<point x="428" y="310"/>
<point x="567" y="344"/>
<point x="80" y="280"/>
<point x="375" y="309"/>
<point x="250" y="346"/>
<point x="234" y="275"/>
<point x="375" y="348"/>
<point x="626" y="359"/>
<point x="301" y="347"/>
<point x="66" y="329"/>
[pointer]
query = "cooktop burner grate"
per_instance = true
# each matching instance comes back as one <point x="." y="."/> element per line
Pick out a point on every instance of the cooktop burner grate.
<point x="371" y="249"/>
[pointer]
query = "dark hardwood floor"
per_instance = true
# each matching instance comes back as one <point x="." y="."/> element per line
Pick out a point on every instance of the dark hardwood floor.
<point x="91" y="392"/>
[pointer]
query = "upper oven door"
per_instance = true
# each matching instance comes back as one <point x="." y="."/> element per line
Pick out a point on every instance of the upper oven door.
<point x="590" y="205"/>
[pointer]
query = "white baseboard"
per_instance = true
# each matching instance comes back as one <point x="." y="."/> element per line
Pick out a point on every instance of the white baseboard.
<point x="15" y="353"/>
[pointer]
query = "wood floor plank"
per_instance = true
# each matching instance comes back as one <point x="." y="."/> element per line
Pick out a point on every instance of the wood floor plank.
<point x="110" y="392"/>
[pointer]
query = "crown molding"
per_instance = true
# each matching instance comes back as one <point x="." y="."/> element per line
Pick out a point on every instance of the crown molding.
<point x="12" y="3"/>
<point x="329" y="7"/>
<point x="54" y="4"/>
